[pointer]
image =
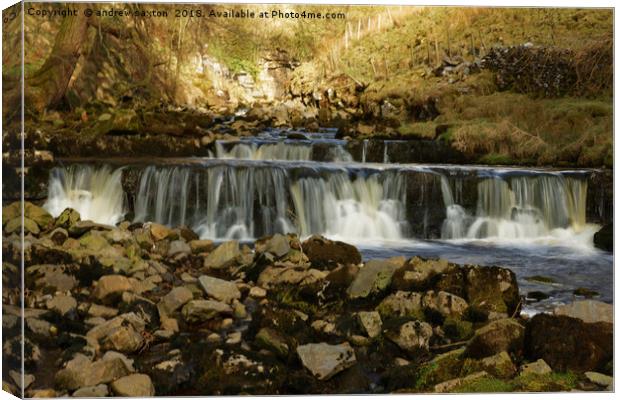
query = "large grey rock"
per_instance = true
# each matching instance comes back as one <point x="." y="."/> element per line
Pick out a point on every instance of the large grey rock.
<point x="81" y="372"/>
<point x="223" y="256"/>
<point x="589" y="311"/>
<point x="178" y="247"/>
<point x="203" y="310"/>
<point x="219" y="289"/>
<point x="324" y="360"/>
<point x="373" y="278"/>
<point x="277" y="245"/>
<point x="134" y="385"/>
<point x="275" y="276"/>
<point x="413" y="337"/>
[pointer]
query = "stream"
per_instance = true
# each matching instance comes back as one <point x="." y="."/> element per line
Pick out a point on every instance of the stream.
<point x="530" y="220"/>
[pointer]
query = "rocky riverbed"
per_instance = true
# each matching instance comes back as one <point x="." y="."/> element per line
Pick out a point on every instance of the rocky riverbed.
<point x="140" y="309"/>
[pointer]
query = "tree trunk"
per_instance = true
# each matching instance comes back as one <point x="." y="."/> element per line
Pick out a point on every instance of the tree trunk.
<point x="47" y="86"/>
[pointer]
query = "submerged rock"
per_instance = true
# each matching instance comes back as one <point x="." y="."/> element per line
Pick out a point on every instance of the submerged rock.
<point x="324" y="360"/>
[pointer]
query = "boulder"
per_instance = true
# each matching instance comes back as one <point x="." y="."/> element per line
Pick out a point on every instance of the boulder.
<point x="197" y="311"/>
<point x="493" y="290"/>
<point x="219" y="289"/>
<point x="372" y="279"/>
<point x="277" y="245"/>
<point x="324" y="253"/>
<point x="123" y="338"/>
<point x="174" y="300"/>
<point x="324" y="360"/>
<point x="110" y="287"/>
<point x="402" y="304"/>
<point x="446" y="304"/>
<point x="67" y="218"/>
<point x="134" y="385"/>
<point x="417" y="274"/>
<point x="604" y="238"/>
<point x="413" y="337"/>
<point x="62" y="304"/>
<point x="58" y="236"/>
<point x="600" y="379"/>
<point x="178" y="247"/>
<point x="81" y="372"/>
<point x="39" y="215"/>
<point x="15" y="225"/>
<point x="370" y="321"/>
<point x="567" y="343"/>
<point x="223" y="256"/>
<point x="200" y="246"/>
<point x="589" y="311"/>
<point x="275" y="276"/>
<point x="501" y="335"/>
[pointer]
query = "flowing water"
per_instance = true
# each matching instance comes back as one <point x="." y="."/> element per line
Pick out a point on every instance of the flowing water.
<point x="531" y="220"/>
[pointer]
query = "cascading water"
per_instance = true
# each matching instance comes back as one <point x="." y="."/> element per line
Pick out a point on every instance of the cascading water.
<point x="520" y="207"/>
<point x="96" y="193"/>
<point x="370" y="207"/>
<point x="271" y="151"/>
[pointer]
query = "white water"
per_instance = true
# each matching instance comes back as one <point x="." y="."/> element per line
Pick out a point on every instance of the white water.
<point x="246" y="201"/>
<point x="277" y="151"/>
<point x="544" y="208"/>
<point x="96" y="193"/>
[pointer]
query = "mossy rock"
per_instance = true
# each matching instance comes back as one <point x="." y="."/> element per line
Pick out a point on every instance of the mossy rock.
<point x="67" y="218"/>
<point x="499" y="365"/>
<point x="485" y="384"/>
<point x="14" y="226"/>
<point x="553" y="382"/>
<point x="457" y="329"/>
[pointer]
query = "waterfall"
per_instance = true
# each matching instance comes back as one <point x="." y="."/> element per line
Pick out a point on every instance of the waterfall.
<point x="268" y="151"/>
<point x="302" y="151"/>
<point x="519" y="207"/>
<point x="363" y="208"/>
<point x="364" y="147"/>
<point x="96" y="193"/>
<point x="218" y="202"/>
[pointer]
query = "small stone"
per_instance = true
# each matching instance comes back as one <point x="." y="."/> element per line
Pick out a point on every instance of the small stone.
<point x="538" y="367"/>
<point x="203" y="310"/>
<point x="219" y="289"/>
<point x="124" y="339"/>
<point x="17" y="378"/>
<point x="271" y="340"/>
<point x="81" y="372"/>
<point x="599" y="379"/>
<point x="114" y="354"/>
<point x="234" y="338"/>
<point x="324" y="360"/>
<point x="97" y="310"/>
<point x="134" y="385"/>
<point x="92" y="391"/>
<point x="257" y="292"/>
<point x="159" y="231"/>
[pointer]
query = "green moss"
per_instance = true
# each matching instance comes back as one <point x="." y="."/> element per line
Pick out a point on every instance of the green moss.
<point x="497" y="159"/>
<point x="423" y="130"/>
<point x="486" y="385"/>
<point x="457" y="329"/>
<point x="552" y="382"/>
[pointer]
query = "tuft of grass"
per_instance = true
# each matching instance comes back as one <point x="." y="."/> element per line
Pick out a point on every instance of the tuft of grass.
<point x="486" y="385"/>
